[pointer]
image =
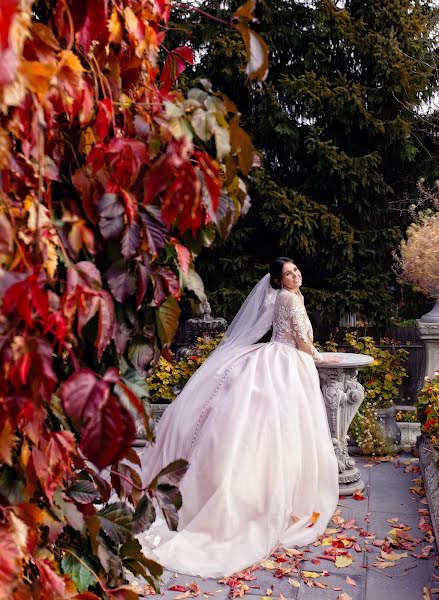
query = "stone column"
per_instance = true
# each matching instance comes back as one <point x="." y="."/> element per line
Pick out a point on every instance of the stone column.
<point x="343" y="395"/>
<point x="429" y="334"/>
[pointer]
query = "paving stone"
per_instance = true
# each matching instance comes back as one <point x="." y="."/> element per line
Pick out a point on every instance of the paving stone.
<point x="387" y="495"/>
<point x="338" y="581"/>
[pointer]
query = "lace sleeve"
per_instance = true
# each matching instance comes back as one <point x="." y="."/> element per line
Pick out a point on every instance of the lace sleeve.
<point x="301" y="326"/>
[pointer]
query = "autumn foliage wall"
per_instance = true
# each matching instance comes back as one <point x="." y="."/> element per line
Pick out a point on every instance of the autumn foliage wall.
<point x="111" y="182"/>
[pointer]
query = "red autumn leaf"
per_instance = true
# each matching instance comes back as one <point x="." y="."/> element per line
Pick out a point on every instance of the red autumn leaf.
<point x="171" y="282"/>
<point x="130" y="205"/>
<point x="103" y="119"/>
<point x="125" y="157"/>
<point x="10" y="563"/>
<point x="53" y="461"/>
<point x="83" y="394"/>
<point x="175" y="65"/>
<point x="182" y="200"/>
<point x="23" y="296"/>
<point x="87" y="192"/>
<point x="53" y="586"/>
<point x="159" y="295"/>
<point x="143" y="273"/>
<point x="357" y="495"/>
<point x="108" y="434"/>
<point x="8" y="9"/>
<point x="212" y="180"/>
<point x="157" y="179"/>
<point x="155" y="233"/>
<point x="91" y="22"/>
<point x="106" y="322"/>
<point x="183" y="256"/>
<point x="177" y="588"/>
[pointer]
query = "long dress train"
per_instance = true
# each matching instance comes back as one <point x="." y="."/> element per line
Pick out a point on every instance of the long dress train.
<point x="260" y="455"/>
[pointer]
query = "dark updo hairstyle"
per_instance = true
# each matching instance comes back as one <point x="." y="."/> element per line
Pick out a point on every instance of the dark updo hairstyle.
<point x="276" y="271"/>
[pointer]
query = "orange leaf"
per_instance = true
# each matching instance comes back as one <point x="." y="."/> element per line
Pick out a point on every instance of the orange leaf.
<point x="314" y="518"/>
<point x="7" y="441"/>
<point x="37" y="75"/>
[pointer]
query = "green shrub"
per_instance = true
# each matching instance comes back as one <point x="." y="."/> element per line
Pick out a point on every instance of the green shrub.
<point x="428" y="409"/>
<point x="168" y="378"/>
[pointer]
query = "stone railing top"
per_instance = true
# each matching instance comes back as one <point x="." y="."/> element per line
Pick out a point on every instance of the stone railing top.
<point x="343" y="360"/>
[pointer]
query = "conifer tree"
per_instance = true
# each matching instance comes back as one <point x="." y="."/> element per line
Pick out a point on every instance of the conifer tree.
<point x="336" y="126"/>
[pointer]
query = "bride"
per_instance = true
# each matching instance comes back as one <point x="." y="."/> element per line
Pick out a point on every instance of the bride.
<point x="252" y="424"/>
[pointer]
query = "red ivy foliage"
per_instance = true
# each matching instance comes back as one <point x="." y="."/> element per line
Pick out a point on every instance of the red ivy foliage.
<point x="111" y="179"/>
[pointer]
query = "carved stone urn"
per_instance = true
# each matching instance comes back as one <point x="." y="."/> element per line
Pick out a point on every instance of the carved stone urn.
<point x="343" y="394"/>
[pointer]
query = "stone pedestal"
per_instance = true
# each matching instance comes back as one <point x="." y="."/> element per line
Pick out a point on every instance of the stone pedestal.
<point x="343" y="395"/>
<point x="429" y="334"/>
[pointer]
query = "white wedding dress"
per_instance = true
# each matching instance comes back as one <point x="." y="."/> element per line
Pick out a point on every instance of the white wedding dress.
<point x="261" y="460"/>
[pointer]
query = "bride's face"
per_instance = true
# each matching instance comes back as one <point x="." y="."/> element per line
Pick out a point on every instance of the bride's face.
<point x="291" y="277"/>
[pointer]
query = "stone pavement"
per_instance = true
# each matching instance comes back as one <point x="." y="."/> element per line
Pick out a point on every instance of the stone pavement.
<point x="361" y="530"/>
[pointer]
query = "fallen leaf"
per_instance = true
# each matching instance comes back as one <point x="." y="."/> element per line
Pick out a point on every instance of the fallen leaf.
<point x="268" y="564"/>
<point x="182" y="596"/>
<point x="351" y="581"/>
<point x="344" y="596"/>
<point x="383" y="564"/>
<point x="310" y="574"/>
<point x="293" y="552"/>
<point x="294" y="582"/>
<point x="342" y="561"/>
<point x="392" y="556"/>
<point x="426" y="594"/>
<point x="268" y="592"/>
<point x="314" y="518"/>
<point x="357" y="495"/>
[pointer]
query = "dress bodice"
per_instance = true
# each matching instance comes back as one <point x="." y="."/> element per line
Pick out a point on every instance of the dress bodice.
<point x="291" y="322"/>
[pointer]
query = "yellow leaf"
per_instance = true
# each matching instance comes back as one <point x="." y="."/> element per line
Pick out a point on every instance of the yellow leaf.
<point x="115" y="27"/>
<point x="268" y="564"/>
<point x="311" y="574"/>
<point x="393" y="555"/>
<point x="331" y="530"/>
<point x="327" y="541"/>
<point x="343" y="561"/>
<point x="51" y="261"/>
<point x="293" y="552"/>
<point x="294" y="582"/>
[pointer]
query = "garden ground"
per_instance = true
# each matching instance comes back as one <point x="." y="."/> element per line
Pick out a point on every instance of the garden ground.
<point x="383" y="547"/>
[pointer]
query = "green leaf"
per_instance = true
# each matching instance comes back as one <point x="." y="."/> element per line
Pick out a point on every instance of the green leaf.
<point x="137" y="563"/>
<point x="140" y="353"/>
<point x="135" y="381"/>
<point x="116" y="520"/>
<point x="167" y="317"/>
<point x="193" y="282"/>
<point x="83" y="492"/>
<point x="164" y="489"/>
<point x="144" y="515"/>
<point x="80" y="575"/>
